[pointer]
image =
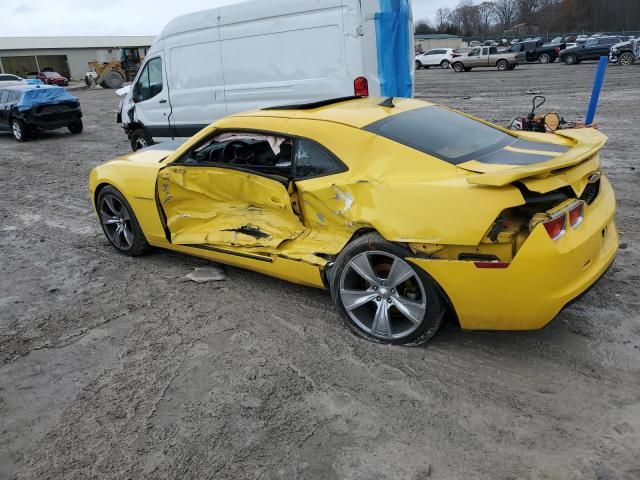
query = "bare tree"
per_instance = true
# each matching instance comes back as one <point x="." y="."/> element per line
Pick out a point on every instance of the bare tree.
<point x="486" y="12"/>
<point x="505" y="11"/>
<point x="443" y="18"/>
<point x="527" y="9"/>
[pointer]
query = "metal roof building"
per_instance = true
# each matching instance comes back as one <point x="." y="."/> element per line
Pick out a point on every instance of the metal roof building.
<point x="69" y="56"/>
<point x="437" y="40"/>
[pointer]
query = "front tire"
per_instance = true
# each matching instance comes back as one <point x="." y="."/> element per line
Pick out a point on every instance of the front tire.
<point x="19" y="130"/>
<point x="626" y="59"/>
<point x="76" y="127"/>
<point x="140" y="139"/>
<point x="418" y="65"/>
<point x="458" y="67"/>
<point x="119" y="223"/>
<point x="383" y="297"/>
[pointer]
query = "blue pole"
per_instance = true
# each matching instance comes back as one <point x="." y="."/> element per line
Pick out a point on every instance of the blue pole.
<point x="597" y="88"/>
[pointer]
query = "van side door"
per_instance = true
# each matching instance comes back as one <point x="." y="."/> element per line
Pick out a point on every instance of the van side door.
<point x="149" y="104"/>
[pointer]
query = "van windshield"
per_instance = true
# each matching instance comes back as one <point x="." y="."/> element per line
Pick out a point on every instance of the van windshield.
<point x="444" y="134"/>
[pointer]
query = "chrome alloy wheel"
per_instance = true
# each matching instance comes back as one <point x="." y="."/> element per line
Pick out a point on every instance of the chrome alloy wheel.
<point x="116" y="222"/>
<point x="17" y="130"/>
<point x="383" y="295"/>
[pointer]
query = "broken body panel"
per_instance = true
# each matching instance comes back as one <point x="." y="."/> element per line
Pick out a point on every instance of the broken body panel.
<point x="448" y="215"/>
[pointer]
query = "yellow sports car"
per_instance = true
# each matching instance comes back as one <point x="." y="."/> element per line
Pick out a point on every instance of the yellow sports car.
<point x="400" y="208"/>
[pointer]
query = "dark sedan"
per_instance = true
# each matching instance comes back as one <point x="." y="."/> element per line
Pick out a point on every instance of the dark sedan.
<point x="25" y="109"/>
<point x="592" y="49"/>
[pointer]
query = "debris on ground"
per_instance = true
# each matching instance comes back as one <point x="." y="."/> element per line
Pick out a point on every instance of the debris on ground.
<point x="207" y="274"/>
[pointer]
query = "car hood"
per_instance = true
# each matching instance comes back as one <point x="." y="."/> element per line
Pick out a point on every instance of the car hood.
<point x="539" y="160"/>
<point x="153" y="154"/>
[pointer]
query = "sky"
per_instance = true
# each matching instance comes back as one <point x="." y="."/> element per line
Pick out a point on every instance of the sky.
<point x="120" y="17"/>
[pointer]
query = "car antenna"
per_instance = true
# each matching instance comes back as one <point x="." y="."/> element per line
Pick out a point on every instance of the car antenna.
<point x="387" y="103"/>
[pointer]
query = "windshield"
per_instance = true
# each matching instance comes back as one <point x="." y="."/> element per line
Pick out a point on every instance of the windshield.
<point x="447" y="135"/>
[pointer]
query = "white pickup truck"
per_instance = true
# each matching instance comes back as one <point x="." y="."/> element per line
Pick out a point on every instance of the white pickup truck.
<point x="481" y="57"/>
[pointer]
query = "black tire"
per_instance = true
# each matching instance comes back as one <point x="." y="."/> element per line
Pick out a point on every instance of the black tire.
<point x="76" y="127"/>
<point x="445" y="64"/>
<point x="112" y="80"/>
<point x="626" y="59"/>
<point x="20" y="130"/>
<point x="418" y="65"/>
<point x="418" y="289"/>
<point x="140" y="139"/>
<point x="570" y="59"/>
<point x="458" y="67"/>
<point x="545" y="58"/>
<point x="502" y="65"/>
<point x="133" y="247"/>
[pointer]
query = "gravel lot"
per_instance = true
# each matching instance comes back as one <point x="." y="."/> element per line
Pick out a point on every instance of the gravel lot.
<point x="114" y="367"/>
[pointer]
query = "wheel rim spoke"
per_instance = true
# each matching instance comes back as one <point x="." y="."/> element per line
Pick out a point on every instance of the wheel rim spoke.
<point x="128" y="237"/>
<point x="362" y="266"/>
<point x="400" y="272"/>
<point x="353" y="299"/>
<point x="381" y="324"/>
<point x="412" y="310"/>
<point x="108" y="219"/>
<point x="111" y="205"/>
<point x="117" y="240"/>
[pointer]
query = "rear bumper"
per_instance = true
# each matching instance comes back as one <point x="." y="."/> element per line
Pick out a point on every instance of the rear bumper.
<point x="52" y="120"/>
<point x="544" y="277"/>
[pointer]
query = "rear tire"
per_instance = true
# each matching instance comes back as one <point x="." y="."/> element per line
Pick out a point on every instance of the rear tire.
<point x="383" y="297"/>
<point x="502" y="65"/>
<point x="570" y="59"/>
<point x="119" y="223"/>
<point x="140" y="139"/>
<point x="544" y="58"/>
<point x="445" y="64"/>
<point x="76" y="127"/>
<point x="112" y="80"/>
<point x="19" y="130"/>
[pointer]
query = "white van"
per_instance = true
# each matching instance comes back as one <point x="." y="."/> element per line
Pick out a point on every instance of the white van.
<point x="209" y="64"/>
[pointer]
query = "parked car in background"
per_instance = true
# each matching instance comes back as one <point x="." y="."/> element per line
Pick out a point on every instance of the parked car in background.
<point x="625" y="53"/>
<point x="582" y="38"/>
<point x="535" y="51"/>
<point x="7" y="77"/>
<point x="438" y="57"/>
<point x="592" y="49"/>
<point x="25" y="109"/>
<point x="482" y="57"/>
<point x="53" y="78"/>
<point x="475" y="43"/>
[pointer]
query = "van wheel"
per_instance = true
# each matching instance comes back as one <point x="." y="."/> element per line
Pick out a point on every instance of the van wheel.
<point x="502" y="65"/>
<point x="140" y="139"/>
<point x="458" y="67"/>
<point x="76" y="127"/>
<point x="382" y="296"/>
<point x="19" y="130"/>
<point x="570" y="59"/>
<point x="544" y="58"/>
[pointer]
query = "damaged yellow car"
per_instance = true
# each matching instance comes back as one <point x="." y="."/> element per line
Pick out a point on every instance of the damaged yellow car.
<point x="400" y="208"/>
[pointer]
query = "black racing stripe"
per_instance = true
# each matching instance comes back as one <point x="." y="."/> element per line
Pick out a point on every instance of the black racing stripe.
<point x="540" y="146"/>
<point x="260" y="258"/>
<point x="505" y="157"/>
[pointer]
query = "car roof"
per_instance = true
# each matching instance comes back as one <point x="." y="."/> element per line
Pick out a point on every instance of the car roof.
<point x="28" y="86"/>
<point x="352" y="111"/>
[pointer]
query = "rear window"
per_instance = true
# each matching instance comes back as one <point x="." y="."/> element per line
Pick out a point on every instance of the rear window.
<point x="444" y="134"/>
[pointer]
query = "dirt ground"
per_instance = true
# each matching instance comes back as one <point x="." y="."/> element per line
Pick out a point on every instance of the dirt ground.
<point x="114" y="367"/>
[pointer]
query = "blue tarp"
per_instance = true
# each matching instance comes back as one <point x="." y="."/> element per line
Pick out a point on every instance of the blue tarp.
<point x="394" y="50"/>
<point x="45" y="95"/>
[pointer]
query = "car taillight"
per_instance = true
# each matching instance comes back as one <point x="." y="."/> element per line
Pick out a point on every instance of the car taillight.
<point x="491" y="264"/>
<point x="557" y="227"/>
<point x="576" y="215"/>
<point x="361" y="87"/>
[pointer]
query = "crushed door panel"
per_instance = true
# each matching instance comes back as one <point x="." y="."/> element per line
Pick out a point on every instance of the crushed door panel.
<point x="221" y="206"/>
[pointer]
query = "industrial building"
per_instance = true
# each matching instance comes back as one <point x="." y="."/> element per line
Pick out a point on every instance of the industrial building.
<point x="437" y="40"/>
<point x="70" y="56"/>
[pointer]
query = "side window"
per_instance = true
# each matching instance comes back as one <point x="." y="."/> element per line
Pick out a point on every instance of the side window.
<point x="261" y="153"/>
<point x="312" y="160"/>
<point x="475" y="52"/>
<point x="485" y="51"/>
<point x="4" y="96"/>
<point x="150" y="82"/>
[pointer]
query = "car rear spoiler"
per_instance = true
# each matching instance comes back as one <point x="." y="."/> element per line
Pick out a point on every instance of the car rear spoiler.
<point x="588" y="142"/>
